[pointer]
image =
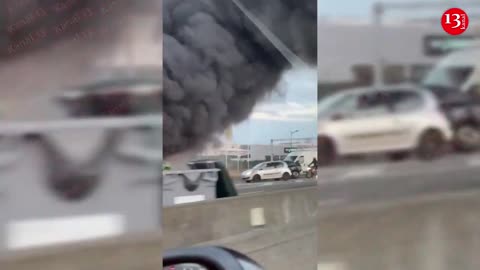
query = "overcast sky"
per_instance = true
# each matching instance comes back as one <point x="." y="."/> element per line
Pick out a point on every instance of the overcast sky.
<point x="294" y="109"/>
<point x="362" y="9"/>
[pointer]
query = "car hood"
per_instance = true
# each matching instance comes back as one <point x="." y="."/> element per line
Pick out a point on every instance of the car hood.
<point x="247" y="172"/>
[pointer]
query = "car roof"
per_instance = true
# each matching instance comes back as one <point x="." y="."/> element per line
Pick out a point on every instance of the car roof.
<point x="385" y="88"/>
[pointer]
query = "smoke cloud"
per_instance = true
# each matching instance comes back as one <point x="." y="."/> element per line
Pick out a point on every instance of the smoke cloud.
<point x="218" y="64"/>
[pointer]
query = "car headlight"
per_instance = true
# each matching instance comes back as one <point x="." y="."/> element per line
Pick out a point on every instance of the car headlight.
<point x="247" y="173"/>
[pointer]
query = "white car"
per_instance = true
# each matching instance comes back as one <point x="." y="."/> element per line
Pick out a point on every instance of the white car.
<point x="267" y="170"/>
<point x="396" y="120"/>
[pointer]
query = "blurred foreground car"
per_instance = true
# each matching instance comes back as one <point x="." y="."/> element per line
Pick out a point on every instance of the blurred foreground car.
<point x="131" y="96"/>
<point x="267" y="170"/>
<point x="224" y="187"/>
<point x="395" y="120"/>
<point x="207" y="258"/>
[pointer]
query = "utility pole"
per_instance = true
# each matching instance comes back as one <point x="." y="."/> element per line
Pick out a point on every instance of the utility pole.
<point x="291" y="136"/>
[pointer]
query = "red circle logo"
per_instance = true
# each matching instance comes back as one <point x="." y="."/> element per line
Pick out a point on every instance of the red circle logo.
<point x="455" y="21"/>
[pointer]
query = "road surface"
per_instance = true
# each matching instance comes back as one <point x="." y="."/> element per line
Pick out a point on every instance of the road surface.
<point x="386" y="181"/>
<point x="253" y="188"/>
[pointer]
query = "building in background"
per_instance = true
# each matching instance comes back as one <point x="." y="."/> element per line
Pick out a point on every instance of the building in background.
<point x="349" y="51"/>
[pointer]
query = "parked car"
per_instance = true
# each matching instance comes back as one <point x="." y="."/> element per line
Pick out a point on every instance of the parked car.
<point x="267" y="170"/>
<point x="295" y="168"/>
<point x="396" y="120"/>
<point x="302" y="157"/>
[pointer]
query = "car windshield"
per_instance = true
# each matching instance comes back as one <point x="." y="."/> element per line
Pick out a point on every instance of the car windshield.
<point x="258" y="166"/>
<point x="291" y="158"/>
<point x="448" y="77"/>
<point x="325" y="105"/>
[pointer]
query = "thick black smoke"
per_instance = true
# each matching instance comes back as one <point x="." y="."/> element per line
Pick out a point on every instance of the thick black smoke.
<point x="217" y="64"/>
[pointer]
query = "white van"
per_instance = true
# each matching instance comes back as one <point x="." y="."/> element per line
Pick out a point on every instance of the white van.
<point x="304" y="157"/>
<point x="459" y="70"/>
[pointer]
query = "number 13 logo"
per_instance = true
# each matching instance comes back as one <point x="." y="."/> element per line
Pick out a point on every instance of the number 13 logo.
<point x="455" y="21"/>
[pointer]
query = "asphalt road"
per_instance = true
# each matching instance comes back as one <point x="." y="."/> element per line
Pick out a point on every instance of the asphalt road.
<point x="252" y="188"/>
<point x="386" y="181"/>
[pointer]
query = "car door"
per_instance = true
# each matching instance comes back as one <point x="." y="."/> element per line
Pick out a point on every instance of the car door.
<point x="279" y="169"/>
<point x="268" y="170"/>
<point x="369" y="127"/>
<point x="408" y="114"/>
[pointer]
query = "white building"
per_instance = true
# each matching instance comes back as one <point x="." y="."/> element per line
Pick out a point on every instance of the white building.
<point x="349" y="51"/>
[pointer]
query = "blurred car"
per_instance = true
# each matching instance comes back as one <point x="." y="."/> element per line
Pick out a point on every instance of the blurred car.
<point x="267" y="170"/>
<point x="463" y="111"/>
<point x="295" y="168"/>
<point x="225" y="187"/>
<point x="458" y="70"/>
<point x="209" y="257"/>
<point x="122" y="97"/>
<point x="395" y="120"/>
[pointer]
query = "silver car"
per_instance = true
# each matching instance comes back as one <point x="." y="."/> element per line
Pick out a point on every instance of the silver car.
<point x="267" y="170"/>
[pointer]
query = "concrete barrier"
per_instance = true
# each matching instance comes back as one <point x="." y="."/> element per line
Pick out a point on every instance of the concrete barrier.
<point x="436" y="233"/>
<point x="277" y="229"/>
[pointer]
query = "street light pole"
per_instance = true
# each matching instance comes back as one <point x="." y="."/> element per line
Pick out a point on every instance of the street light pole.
<point x="291" y="136"/>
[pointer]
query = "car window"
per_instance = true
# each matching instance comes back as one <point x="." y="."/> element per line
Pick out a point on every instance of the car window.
<point x="277" y="164"/>
<point x="270" y="165"/>
<point x="346" y="105"/>
<point x="405" y="101"/>
<point x="258" y="166"/>
<point x="371" y="104"/>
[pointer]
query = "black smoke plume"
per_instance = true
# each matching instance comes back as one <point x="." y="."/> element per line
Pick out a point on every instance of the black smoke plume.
<point x="218" y="64"/>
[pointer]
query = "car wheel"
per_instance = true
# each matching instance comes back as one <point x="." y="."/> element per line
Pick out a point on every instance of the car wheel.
<point x="431" y="145"/>
<point x="466" y="138"/>
<point x="257" y="178"/>
<point x="326" y="151"/>
<point x="285" y="176"/>
<point x="398" y="156"/>
<point x="295" y="174"/>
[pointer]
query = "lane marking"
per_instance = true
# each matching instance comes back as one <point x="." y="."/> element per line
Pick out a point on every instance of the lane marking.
<point x="45" y="232"/>
<point x="188" y="199"/>
<point x="331" y="266"/>
<point x="252" y="192"/>
<point x="361" y="173"/>
<point x="267" y="184"/>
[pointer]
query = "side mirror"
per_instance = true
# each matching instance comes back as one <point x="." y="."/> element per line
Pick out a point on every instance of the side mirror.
<point x="207" y="258"/>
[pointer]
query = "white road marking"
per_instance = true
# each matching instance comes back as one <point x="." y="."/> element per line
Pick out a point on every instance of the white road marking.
<point x="299" y="181"/>
<point x="188" y="199"/>
<point x="267" y="184"/>
<point x="330" y="266"/>
<point x="44" y="232"/>
<point x="361" y="173"/>
<point x="253" y="192"/>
